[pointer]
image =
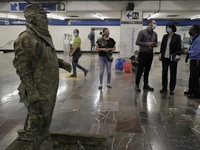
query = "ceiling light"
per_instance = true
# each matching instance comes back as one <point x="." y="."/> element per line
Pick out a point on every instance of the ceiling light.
<point x="2" y="15"/>
<point x="99" y="16"/>
<point x="55" y="17"/>
<point x="11" y="17"/>
<point x="151" y="15"/>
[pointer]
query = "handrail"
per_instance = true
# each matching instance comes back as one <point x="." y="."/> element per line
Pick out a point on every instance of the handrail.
<point x="7" y="43"/>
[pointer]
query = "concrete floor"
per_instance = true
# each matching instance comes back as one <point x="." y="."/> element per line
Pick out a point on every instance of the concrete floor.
<point x="131" y="121"/>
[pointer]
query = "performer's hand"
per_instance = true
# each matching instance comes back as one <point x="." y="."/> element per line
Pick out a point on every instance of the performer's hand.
<point x="160" y="58"/>
<point x="71" y="54"/>
<point x="67" y="67"/>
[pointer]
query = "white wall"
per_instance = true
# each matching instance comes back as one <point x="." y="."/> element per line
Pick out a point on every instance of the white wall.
<point x="8" y="33"/>
<point x="57" y="33"/>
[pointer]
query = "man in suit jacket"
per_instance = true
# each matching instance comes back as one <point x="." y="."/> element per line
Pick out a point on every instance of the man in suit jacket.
<point x="170" y="52"/>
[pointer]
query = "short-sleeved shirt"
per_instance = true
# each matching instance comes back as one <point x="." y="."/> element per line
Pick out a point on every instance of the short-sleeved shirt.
<point x="110" y="44"/>
<point x="77" y="40"/>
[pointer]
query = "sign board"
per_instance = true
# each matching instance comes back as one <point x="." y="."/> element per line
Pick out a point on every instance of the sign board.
<point x="132" y="15"/>
<point x="19" y="7"/>
<point x="131" y="24"/>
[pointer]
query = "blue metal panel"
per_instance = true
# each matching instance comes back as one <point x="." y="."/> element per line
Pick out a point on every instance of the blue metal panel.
<point x="2" y="22"/>
<point x="180" y="23"/>
<point x="22" y="6"/>
<point x="52" y="22"/>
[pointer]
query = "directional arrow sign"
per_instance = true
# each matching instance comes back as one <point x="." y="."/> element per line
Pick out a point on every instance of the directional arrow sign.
<point x="128" y="15"/>
<point x="14" y="7"/>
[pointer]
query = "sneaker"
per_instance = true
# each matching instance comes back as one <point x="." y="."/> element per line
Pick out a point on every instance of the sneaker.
<point x="137" y="88"/>
<point x="85" y="73"/>
<point x="72" y="76"/>
<point x="147" y="87"/>
<point x="163" y="91"/>
<point x="171" y="93"/>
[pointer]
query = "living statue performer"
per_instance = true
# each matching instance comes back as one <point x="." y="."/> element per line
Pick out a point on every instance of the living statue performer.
<point x="37" y="65"/>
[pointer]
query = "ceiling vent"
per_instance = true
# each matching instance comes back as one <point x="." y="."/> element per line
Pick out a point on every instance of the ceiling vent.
<point x="172" y="15"/>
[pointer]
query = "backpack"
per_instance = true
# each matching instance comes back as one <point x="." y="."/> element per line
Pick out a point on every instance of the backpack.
<point x="89" y="36"/>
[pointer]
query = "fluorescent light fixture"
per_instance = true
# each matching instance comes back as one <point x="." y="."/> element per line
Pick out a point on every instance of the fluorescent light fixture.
<point x="21" y="18"/>
<point x="152" y="15"/>
<point x="55" y="17"/>
<point x="11" y="17"/>
<point x="2" y="15"/>
<point x="99" y="16"/>
<point x="195" y="17"/>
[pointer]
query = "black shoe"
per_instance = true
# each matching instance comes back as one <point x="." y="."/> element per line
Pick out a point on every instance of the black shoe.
<point x="163" y="91"/>
<point x="147" y="87"/>
<point x="137" y="88"/>
<point x="72" y="76"/>
<point x="187" y="93"/>
<point x="100" y="87"/>
<point x="85" y="73"/>
<point x="171" y="93"/>
<point x="109" y="86"/>
<point x="193" y="96"/>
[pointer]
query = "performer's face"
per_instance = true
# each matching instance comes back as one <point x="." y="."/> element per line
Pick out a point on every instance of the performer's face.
<point x="42" y="21"/>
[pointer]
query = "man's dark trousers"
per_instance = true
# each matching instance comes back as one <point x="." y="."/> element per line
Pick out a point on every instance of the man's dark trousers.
<point x="173" y="71"/>
<point x="145" y="61"/>
<point x="92" y="46"/>
<point x="194" y="77"/>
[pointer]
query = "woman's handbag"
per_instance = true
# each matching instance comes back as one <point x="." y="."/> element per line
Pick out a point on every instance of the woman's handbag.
<point x="109" y="55"/>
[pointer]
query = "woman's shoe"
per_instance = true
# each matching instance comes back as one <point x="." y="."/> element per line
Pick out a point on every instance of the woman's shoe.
<point x="109" y="86"/>
<point x="100" y="87"/>
<point x="171" y="93"/>
<point x="163" y="90"/>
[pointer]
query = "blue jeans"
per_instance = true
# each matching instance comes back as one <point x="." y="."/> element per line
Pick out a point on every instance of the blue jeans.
<point x="102" y="62"/>
<point x="75" y="64"/>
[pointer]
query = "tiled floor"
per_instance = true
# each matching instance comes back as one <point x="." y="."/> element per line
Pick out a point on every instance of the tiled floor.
<point x="131" y="121"/>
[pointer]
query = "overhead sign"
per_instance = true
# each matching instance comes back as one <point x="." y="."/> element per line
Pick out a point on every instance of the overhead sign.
<point x="132" y="15"/>
<point x="18" y="7"/>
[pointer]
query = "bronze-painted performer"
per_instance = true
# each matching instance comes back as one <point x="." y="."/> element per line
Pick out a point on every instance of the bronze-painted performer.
<point x="37" y="65"/>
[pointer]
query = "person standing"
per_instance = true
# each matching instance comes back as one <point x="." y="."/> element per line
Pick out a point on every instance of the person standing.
<point x="194" y="56"/>
<point x="170" y="52"/>
<point x="147" y="40"/>
<point x="91" y="37"/>
<point x="76" y="53"/>
<point x="105" y="46"/>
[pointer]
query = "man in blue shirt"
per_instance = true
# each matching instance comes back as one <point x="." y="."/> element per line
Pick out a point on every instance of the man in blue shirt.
<point x="194" y="56"/>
